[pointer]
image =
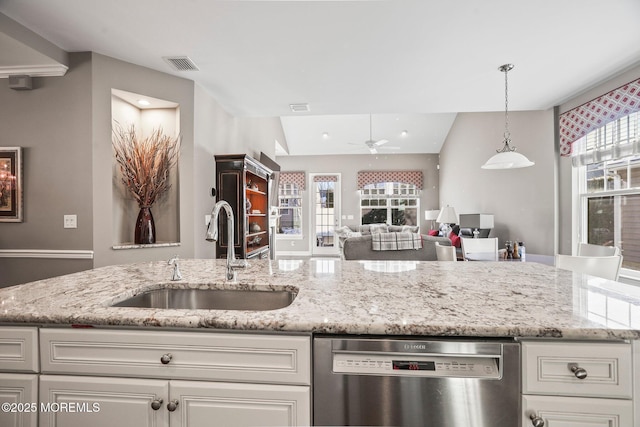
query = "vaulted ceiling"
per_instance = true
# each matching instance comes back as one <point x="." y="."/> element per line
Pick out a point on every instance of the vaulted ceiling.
<point x="413" y="64"/>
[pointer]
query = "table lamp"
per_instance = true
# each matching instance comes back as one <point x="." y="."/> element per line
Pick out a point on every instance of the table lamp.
<point x="431" y="215"/>
<point x="447" y="216"/>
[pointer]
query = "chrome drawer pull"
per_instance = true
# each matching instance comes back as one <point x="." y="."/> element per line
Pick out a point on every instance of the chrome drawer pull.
<point x="166" y="358"/>
<point x="579" y="372"/>
<point x="536" y="421"/>
<point x="172" y="406"/>
<point x="156" y="404"/>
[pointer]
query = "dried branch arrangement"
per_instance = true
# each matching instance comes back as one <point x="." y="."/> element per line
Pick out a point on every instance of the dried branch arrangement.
<point x="145" y="164"/>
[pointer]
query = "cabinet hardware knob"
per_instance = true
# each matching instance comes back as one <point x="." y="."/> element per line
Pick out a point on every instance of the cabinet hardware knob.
<point x="172" y="406"/>
<point x="536" y="421"/>
<point x="579" y="372"/>
<point x="166" y="358"/>
<point x="156" y="404"/>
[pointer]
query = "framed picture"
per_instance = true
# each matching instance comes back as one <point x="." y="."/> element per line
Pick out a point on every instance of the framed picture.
<point x="10" y="184"/>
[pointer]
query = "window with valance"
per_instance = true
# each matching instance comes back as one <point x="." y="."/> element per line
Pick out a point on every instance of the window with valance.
<point x="391" y="197"/>
<point x="290" y="187"/>
<point x="603" y="139"/>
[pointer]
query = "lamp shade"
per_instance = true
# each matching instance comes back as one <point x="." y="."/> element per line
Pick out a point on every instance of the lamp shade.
<point x="447" y="215"/>
<point x="482" y="221"/>
<point x="431" y="215"/>
<point x="507" y="160"/>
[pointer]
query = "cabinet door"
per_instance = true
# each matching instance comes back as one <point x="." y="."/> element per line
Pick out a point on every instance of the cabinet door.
<point x="102" y="402"/>
<point x="202" y="404"/>
<point x="19" y="389"/>
<point x="577" y="412"/>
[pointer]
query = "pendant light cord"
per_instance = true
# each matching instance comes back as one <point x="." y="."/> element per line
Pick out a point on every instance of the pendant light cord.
<point x="507" y="135"/>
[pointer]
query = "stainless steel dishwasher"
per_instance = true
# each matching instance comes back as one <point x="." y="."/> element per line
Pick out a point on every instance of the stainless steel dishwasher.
<point x="416" y="382"/>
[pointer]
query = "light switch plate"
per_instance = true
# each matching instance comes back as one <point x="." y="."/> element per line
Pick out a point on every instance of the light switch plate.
<point x="71" y="221"/>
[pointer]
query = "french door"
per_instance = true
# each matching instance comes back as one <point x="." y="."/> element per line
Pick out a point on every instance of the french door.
<point x="325" y="213"/>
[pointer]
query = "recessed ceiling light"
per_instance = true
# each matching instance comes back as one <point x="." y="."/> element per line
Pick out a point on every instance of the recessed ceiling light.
<point x="404" y="133"/>
<point x="143" y="102"/>
<point x="325" y="135"/>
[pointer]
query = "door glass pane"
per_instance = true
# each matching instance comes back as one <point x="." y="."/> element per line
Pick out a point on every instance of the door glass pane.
<point x="324" y="211"/>
<point x="615" y="221"/>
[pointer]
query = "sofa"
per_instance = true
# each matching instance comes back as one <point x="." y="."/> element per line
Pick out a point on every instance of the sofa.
<point x="358" y="245"/>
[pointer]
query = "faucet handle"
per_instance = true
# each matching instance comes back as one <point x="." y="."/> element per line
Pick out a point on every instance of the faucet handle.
<point x="176" y="268"/>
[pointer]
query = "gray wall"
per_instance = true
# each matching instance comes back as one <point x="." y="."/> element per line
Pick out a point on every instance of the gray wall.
<point x="349" y="166"/>
<point x="107" y="74"/>
<point x="52" y="123"/>
<point x="64" y="126"/>
<point x="218" y="132"/>
<point x="521" y="200"/>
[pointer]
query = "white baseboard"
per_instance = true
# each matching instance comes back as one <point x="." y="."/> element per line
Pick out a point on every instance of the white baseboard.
<point x="46" y="253"/>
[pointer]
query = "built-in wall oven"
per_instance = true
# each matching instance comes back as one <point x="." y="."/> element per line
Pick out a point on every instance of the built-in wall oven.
<point x="416" y="382"/>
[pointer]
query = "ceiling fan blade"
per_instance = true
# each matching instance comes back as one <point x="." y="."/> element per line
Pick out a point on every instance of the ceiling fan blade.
<point x="381" y="142"/>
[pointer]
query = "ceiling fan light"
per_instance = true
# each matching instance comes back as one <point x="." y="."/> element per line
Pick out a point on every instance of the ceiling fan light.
<point x="508" y="160"/>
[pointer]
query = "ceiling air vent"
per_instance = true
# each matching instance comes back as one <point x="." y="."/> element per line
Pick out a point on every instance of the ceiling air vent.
<point x="181" y="63"/>
<point x="299" y="108"/>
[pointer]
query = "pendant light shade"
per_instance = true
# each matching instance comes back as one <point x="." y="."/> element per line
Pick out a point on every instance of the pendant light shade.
<point x="507" y="158"/>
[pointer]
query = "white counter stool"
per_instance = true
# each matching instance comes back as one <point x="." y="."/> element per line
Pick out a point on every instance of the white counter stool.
<point x="587" y="249"/>
<point x="607" y="267"/>
<point x="481" y="249"/>
<point x="445" y="253"/>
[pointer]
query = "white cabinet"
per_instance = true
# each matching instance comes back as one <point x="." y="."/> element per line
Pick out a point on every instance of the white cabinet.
<point x="204" y="404"/>
<point x="577" y="384"/>
<point x="188" y="379"/>
<point x="102" y="402"/>
<point x="18" y="376"/>
<point x="20" y="391"/>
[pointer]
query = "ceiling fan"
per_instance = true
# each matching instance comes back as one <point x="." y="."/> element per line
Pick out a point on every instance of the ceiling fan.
<point x="371" y="144"/>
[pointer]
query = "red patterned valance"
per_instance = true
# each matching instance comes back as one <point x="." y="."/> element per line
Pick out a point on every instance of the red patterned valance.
<point x="325" y="178"/>
<point x="375" y="177"/>
<point x="296" y="178"/>
<point x="576" y="123"/>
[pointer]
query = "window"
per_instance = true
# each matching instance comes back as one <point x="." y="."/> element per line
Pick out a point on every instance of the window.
<point x="609" y="186"/>
<point x="289" y="211"/>
<point x="392" y="203"/>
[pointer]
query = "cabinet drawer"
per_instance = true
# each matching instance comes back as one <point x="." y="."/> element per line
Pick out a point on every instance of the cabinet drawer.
<point x="281" y="359"/>
<point x="546" y="369"/>
<point x="577" y="411"/>
<point x="18" y="349"/>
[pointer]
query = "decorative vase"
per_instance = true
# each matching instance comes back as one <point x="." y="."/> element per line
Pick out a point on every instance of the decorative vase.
<point x="145" y="233"/>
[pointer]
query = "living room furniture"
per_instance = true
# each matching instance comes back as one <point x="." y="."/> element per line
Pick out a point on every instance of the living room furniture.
<point x="445" y="253"/>
<point x="244" y="183"/>
<point x="361" y="248"/>
<point x="607" y="267"/>
<point x="480" y="249"/>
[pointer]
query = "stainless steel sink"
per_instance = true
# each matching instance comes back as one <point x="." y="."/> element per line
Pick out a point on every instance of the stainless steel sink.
<point x="211" y="299"/>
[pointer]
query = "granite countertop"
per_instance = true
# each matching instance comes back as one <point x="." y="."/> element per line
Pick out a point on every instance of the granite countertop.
<point x="488" y="299"/>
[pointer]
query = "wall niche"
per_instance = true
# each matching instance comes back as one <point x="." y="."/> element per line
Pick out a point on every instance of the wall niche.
<point x="146" y="114"/>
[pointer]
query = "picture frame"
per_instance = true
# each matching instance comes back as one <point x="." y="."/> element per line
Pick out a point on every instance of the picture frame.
<point x="10" y="184"/>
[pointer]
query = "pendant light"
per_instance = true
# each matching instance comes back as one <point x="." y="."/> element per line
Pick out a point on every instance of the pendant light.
<point x="507" y="158"/>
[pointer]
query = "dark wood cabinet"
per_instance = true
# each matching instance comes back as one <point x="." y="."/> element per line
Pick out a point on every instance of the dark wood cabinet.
<point x="244" y="183"/>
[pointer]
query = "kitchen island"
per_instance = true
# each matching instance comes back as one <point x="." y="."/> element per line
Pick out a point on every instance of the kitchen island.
<point x="488" y="299"/>
<point x="184" y="367"/>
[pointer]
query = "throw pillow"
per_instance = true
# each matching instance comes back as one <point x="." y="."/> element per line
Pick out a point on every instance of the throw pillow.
<point x="433" y="232"/>
<point x="455" y="240"/>
<point x="378" y="228"/>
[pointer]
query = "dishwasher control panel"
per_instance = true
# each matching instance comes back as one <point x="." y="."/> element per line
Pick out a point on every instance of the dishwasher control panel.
<point x="436" y="366"/>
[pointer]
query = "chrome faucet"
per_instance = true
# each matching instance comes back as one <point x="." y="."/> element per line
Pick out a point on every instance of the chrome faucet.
<point x="212" y="236"/>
